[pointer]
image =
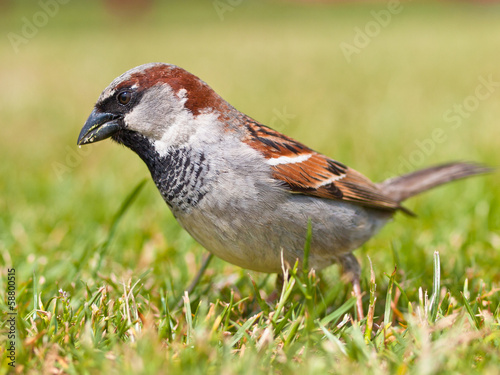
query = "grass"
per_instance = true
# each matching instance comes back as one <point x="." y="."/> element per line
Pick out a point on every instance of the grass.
<point x="102" y="266"/>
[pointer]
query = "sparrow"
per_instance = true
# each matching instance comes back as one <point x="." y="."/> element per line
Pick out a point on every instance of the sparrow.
<point x="244" y="191"/>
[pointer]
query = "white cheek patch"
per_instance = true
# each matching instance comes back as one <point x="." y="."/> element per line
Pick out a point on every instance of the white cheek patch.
<point x="197" y="130"/>
<point x="289" y="159"/>
<point x="155" y="112"/>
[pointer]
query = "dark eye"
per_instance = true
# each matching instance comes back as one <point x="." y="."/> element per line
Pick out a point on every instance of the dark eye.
<point x="124" y="97"/>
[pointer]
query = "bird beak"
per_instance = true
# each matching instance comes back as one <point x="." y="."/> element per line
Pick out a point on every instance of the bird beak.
<point x="98" y="126"/>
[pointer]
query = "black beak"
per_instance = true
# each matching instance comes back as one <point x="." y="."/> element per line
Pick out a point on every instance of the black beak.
<point x="98" y="126"/>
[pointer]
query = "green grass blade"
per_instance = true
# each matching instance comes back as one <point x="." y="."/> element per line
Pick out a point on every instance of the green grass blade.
<point x="189" y="318"/>
<point x="371" y="308"/>
<point x="472" y="317"/>
<point x="388" y="300"/>
<point x="35" y="292"/>
<point x="338" y="313"/>
<point x="263" y="305"/>
<point x="116" y="220"/>
<point x="340" y="345"/>
<point x="242" y="330"/>
<point x="436" y="285"/>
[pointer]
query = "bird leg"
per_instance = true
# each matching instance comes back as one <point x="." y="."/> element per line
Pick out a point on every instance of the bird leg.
<point x="351" y="272"/>
<point x="280" y="280"/>
<point x="275" y="294"/>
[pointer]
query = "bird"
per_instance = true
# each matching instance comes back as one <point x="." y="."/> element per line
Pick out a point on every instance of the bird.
<point x="245" y="192"/>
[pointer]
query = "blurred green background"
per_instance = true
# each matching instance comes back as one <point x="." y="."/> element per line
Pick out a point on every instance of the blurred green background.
<point x="283" y="63"/>
<point x="365" y="83"/>
<point x="384" y="87"/>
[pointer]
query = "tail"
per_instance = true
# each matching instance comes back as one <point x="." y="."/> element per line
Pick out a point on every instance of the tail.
<point x="408" y="185"/>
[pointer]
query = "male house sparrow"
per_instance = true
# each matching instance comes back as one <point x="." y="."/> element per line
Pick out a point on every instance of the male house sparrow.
<point x="242" y="190"/>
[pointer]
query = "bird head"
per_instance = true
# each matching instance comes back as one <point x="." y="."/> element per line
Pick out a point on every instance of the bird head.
<point x="160" y="102"/>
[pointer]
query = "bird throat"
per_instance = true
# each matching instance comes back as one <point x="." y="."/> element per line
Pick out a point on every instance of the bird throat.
<point x="180" y="175"/>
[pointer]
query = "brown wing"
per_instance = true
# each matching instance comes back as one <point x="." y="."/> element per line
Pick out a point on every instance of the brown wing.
<point x="307" y="172"/>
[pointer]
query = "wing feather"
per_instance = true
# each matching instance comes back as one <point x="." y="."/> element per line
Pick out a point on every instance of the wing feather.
<point x="305" y="171"/>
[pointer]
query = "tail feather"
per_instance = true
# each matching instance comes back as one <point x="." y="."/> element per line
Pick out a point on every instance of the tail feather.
<point x="408" y="185"/>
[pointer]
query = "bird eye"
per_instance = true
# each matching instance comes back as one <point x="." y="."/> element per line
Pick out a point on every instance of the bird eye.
<point x="124" y="97"/>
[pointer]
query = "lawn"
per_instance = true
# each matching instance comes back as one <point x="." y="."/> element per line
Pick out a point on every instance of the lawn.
<point x="100" y="265"/>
